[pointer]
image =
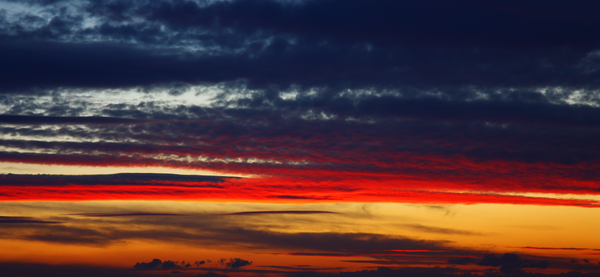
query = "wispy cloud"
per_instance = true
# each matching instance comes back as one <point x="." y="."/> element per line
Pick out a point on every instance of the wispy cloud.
<point x="253" y="213"/>
<point x="24" y="220"/>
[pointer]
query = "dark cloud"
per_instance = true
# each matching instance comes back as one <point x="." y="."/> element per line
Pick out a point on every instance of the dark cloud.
<point x="226" y="214"/>
<point x="105" y="65"/>
<point x="24" y="220"/>
<point x="132" y="214"/>
<point x="46" y="120"/>
<point x="356" y="243"/>
<point x="500" y="111"/>
<point x="158" y="264"/>
<point x="433" y="272"/>
<point x="493" y="260"/>
<point x="218" y="232"/>
<point x="236" y="263"/>
<point x="153" y="264"/>
<point x="35" y="270"/>
<point x="211" y="274"/>
<point x="313" y="44"/>
<point x="61" y="234"/>
<point x="281" y="212"/>
<point x="304" y="268"/>
<point x="110" y="179"/>
<point x="438" y="230"/>
<point x="531" y="24"/>
<point x="384" y="22"/>
<point x="511" y="263"/>
<point x="169" y="264"/>
<point x="44" y="270"/>
<point x="461" y="261"/>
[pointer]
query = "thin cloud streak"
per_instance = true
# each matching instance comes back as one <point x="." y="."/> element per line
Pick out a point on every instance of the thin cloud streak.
<point x="553" y="248"/>
<point x="52" y="120"/>
<point x="253" y="213"/>
<point x="24" y="220"/>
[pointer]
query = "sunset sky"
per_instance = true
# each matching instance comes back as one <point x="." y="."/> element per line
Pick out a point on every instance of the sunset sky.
<point x="299" y="137"/>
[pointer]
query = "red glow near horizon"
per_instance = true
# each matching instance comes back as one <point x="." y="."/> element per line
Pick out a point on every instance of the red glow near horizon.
<point x="552" y="248"/>
<point x="273" y="190"/>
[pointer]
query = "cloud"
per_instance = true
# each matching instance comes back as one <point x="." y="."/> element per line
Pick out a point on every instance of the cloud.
<point x="304" y="268"/>
<point x="431" y="272"/>
<point x="525" y="24"/>
<point x="236" y="263"/>
<point x="448" y="231"/>
<point x="128" y="66"/>
<point x="209" y="187"/>
<point x="511" y="263"/>
<point x="253" y="213"/>
<point x="121" y="179"/>
<point x="38" y="269"/>
<point x="553" y="248"/>
<point x="214" y="231"/>
<point x="413" y="22"/>
<point x="281" y="212"/>
<point x="45" y="120"/>
<point x="153" y="264"/>
<point x="24" y="220"/>
<point x="188" y="42"/>
<point x="157" y="264"/>
<point x="318" y="101"/>
<point x="35" y="270"/>
<point x="211" y="274"/>
<point x="461" y="261"/>
<point x="314" y="111"/>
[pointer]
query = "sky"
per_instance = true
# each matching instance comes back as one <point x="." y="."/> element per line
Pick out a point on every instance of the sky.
<point x="299" y="138"/>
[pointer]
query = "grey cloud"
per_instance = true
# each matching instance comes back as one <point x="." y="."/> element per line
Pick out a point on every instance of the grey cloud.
<point x="24" y="220"/>
<point x="253" y="213"/>
<point x="236" y="263"/>
<point x="438" y="230"/>
<point x="47" y="120"/>
<point x="220" y="233"/>
<point x="108" y="179"/>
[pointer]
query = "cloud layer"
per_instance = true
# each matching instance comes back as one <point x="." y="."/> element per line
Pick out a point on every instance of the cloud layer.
<point x="362" y="101"/>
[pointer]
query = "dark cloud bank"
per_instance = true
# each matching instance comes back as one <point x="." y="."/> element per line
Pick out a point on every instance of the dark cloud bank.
<point x="495" y="76"/>
<point x="309" y="43"/>
<point x="515" y="83"/>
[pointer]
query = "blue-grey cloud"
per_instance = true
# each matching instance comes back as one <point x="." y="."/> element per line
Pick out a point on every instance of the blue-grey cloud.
<point x="109" y="179"/>
<point x="24" y="220"/>
<point x="365" y="44"/>
<point x="236" y="263"/>
<point x="50" y="120"/>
